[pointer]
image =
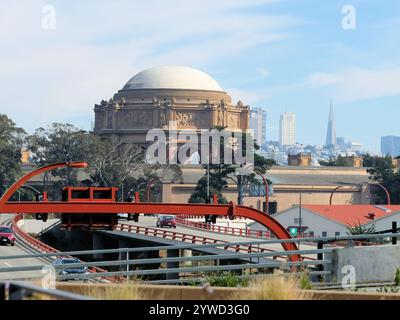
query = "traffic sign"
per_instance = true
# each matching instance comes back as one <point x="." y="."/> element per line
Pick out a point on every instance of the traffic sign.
<point x="293" y="231"/>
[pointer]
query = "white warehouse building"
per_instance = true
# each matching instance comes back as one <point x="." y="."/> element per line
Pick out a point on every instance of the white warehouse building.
<point x="330" y="221"/>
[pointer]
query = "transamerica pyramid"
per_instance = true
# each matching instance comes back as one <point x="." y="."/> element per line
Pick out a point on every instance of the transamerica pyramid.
<point x="331" y="134"/>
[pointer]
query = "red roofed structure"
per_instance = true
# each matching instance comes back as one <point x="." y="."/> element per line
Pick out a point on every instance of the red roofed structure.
<point x="353" y="214"/>
<point x="334" y="220"/>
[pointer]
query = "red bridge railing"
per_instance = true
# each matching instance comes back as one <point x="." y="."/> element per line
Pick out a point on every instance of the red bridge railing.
<point x="189" y="238"/>
<point x="241" y="232"/>
<point x="41" y="246"/>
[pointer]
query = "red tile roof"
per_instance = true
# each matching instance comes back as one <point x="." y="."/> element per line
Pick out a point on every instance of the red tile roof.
<point x="352" y="214"/>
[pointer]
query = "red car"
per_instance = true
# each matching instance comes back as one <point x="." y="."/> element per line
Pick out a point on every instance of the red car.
<point x="6" y="235"/>
<point x="166" y="221"/>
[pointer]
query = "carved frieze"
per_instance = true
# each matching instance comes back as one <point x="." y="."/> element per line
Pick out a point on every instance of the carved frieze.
<point x="192" y="120"/>
<point x="233" y="120"/>
<point x="132" y="119"/>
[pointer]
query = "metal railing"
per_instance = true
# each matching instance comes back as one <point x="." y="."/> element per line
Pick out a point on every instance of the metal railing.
<point x="251" y="262"/>
<point x="16" y="290"/>
<point x="189" y="268"/>
<point x="189" y="238"/>
<point x="233" y="231"/>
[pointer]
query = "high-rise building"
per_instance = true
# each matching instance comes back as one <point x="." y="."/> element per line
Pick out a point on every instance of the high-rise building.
<point x="390" y="145"/>
<point x="331" y="134"/>
<point x="287" y="130"/>
<point x="258" y="123"/>
<point x="341" y="143"/>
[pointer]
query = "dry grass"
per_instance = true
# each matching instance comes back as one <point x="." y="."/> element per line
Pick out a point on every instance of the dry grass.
<point x="114" y="292"/>
<point x="275" y="287"/>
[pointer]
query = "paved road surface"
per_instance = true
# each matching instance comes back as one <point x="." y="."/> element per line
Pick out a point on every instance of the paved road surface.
<point x="16" y="250"/>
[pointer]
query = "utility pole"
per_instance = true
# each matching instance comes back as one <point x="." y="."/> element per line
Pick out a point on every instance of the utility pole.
<point x="208" y="181"/>
<point x="300" y="233"/>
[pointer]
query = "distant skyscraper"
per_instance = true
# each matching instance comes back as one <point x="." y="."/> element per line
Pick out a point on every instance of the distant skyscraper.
<point x="331" y="134"/>
<point x="287" y="129"/>
<point x="390" y="145"/>
<point x="341" y="143"/>
<point x="258" y="123"/>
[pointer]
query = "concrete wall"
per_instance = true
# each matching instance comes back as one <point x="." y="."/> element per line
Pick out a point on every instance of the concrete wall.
<point x="372" y="264"/>
<point x="176" y="193"/>
<point x="35" y="226"/>
<point x="285" y="198"/>
<point x="288" y="198"/>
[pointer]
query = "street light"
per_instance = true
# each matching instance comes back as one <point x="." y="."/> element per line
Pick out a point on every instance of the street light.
<point x="266" y="192"/>
<point x="19" y="192"/>
<point x="389" y="201"/>
<point x="148" y="189"/>
<point x="30" y="187"/>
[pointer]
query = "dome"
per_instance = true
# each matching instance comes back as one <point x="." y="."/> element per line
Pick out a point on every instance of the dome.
<point x="172" y="77"/>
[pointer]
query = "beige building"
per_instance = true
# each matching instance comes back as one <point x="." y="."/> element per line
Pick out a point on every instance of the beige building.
<point x="160" y="96"/>
<point x="315" y="184"/>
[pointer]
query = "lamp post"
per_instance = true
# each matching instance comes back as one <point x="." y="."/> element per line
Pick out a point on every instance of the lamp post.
<point x="208" y="182"/>
<point x="24" y="186"/>
<point x="148" y="189"/>
<point x="389" y="200"/>
<point x="300" y="204"/>
<point x="30" y="187"/>
<point x="266" y="192"/>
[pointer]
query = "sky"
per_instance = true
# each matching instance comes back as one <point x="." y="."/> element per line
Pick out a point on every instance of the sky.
<point x="59" y="58"/>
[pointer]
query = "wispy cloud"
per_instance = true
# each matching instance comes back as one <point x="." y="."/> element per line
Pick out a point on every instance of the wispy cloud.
<point x="246" y="96"/>
<point x="354" y="84"/>
<point x="58" y="75"/>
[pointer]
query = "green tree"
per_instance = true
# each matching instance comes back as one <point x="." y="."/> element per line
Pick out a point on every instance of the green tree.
<point x="338" y="161"/>
<point x="58" y="143"/>
<point x="11" y="143"/>
<point x="110" y="163"/>
<point x="382" y="171"/>
<point x="215" y="177"/>
<point x="220" y="174"/>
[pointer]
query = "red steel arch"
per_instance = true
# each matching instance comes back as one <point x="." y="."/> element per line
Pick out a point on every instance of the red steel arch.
<point x="229" y="210"/>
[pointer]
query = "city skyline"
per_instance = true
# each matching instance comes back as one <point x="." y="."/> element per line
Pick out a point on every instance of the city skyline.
<point x="278" y="54"/>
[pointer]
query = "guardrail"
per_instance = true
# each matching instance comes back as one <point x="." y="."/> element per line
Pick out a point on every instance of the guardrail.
<point x="160" y="268"/>
<point x="192" y="216"/>
<point x="15" y="290"/>
<point x="41" y="246"/>
<point x="186" y="268"/>
<point x="33" y="242"/>
<point x="223" y="229"/>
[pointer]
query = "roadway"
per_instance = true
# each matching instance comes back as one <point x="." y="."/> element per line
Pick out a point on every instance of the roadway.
<point x="5" y="219"/>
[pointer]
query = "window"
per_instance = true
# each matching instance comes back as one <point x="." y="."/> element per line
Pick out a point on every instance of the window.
<point x="311" y="234"/>
<point x="298" y="220"/>
<point x="102" y="194"/>
<point x="337" y="234"/>
<point x="80" y="194"/>
<point x="324" y="234"/>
